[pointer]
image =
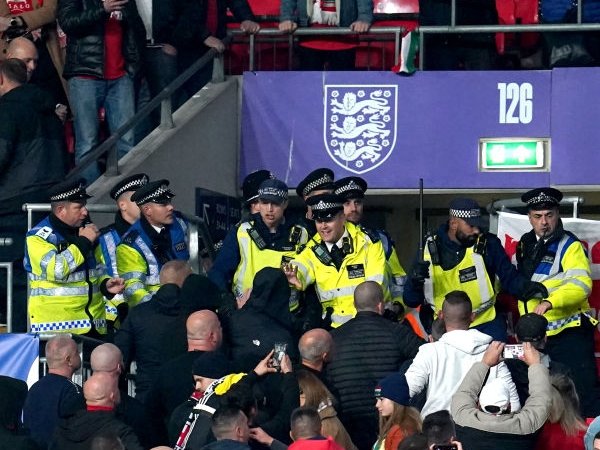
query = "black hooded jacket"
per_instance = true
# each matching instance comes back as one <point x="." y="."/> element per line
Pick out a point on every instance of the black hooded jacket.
<point x="265" y="319"/>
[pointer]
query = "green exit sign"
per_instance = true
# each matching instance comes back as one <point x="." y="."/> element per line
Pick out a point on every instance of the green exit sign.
<point x="514" y="155"/>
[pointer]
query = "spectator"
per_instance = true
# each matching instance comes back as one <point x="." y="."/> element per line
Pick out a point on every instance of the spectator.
<point x="101" y="397"/>
<point x="107" y="358"/>
<point x="111" y="235"/>
<point x="13" y="392"/>
<point x="230" y="427"/>
<point x="159" y="236"/>
<point x="58" y="255"/>
<point x="37" y="20"/>
<point x="439" y="428"/>
<point x="23" y="49"/>
<point x="314" y="394"/>
<point x="154" y="332"/>
<point x="174" y="382"/>
<point x="592" y="441"/>
<point x="381" y="346"/>
<point x="265" y="319"/>
<point x="565" y="428"/>
<point x="397" y="419"/>
<point x="531" y="327"/>
<point x="55" y="396"/>
<point x="103" y="56"/>
<point x="306" y="431"/>
<point x="485" y="421"/>
<point x="460" y="245"/>
<point x="417" y="441"/>
<point x="327" y="54"/>
<point x="439" y="367"/>
<point x="316" y="348"/>
<point x="32" y="160"/>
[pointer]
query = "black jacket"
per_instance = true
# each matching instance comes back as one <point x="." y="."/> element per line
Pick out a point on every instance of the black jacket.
<point x="262" y="321"/>
<point x="32" y="148"/>
<point x="78" y="431"/>
<point x="366" y="349"/>
<point x="84" y="23"/>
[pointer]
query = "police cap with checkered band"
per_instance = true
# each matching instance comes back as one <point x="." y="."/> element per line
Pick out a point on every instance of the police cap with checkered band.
<point x="466" y="209"/>
<point x="127" y="184"/>
<point x="69" y="191"/>
<point x="155" y="192"/>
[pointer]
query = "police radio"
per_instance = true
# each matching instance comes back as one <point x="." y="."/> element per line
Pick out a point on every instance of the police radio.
<point x="295" y="234"/>
<point x="320" y="251"/>
<point x="347" y="246"/>
<point x="257" y="238"/>
<point x="480" y="244"/>
<point x="432" y="246"/>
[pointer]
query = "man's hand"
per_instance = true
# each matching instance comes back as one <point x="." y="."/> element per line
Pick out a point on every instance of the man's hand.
<point x="420" y="272"/>
<point x="115" y="285"/>
<point x="263" y="367"/>
<point x="90" y="232"/>
<point x="286" y="364"/>
<point x="360" y="27"/>
<point x="114" y="5"/>
<point x="61" y="112"/>
<point x="291" y="273"/>
<point x="530" y="354"/>
<point x="288" y="26"/>
<point x="168" y="49"/>
<point x="242" y="299"/>
<point x="491" y="357"/>
<point x="249" y="27"/>
<point x="215" y="43"/>
<point x="260" y="435"/>
<point x="544" y="306"/>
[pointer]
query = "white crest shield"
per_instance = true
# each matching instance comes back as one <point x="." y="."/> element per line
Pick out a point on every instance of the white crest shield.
<point x="359" y="125"/>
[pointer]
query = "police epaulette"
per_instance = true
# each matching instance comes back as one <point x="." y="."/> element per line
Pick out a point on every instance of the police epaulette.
<point x="373" y="235"/>
<point x="130" y="237"/>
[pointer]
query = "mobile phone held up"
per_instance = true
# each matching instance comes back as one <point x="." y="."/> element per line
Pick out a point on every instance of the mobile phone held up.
<point x="513" y="351"/>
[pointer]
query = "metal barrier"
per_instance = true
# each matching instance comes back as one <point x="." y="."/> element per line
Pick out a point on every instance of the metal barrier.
<point x="9" y="293"/>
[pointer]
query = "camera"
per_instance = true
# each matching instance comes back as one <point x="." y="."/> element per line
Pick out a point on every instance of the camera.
<point x="513" y="351"/>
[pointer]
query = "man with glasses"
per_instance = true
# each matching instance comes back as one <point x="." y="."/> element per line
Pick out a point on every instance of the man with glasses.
<point x="159" y="236"/>
<point x="337" y="259"/>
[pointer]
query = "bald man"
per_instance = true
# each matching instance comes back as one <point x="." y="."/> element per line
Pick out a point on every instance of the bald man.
<point x="154" y="332"/>
<point x="54" y="396"/>
<point x="101" y="396"/>
<point x="107" y="359"/>
<point x="174" y="382"/>
<point x="381" y="346"/>
<point x="315" y="347"/>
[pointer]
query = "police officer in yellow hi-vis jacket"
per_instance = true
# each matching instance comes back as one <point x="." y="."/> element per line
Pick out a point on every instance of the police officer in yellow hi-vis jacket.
<point x="556" y="258"/>
<point x="340" y="257"/>
<point x="67" y="282"/>
<point x="266" y="239"/>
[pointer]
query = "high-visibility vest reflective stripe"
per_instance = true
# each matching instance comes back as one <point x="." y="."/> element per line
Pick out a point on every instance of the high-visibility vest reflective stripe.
<point x="253" y="259"/>
<point x="60" y="294"/>
<point x="335" y="288"/>
<point x="568" y="280"/>
<point x="475" y="282"/>
<point x="107" y="250"/>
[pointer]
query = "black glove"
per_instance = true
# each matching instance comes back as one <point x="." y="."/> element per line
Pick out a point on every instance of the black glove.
<point x="535" y="290"/>
<point x="420" y="272"/>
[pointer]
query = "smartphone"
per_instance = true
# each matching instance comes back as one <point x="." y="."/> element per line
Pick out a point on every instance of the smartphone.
<point x="513" y="351"/>
<point x="445" y="447"/>
<point x="279" y="350"/>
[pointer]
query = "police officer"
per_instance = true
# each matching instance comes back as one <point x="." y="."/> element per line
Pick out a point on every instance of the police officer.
<point x="67" y="282"/>
<point x="352" y="190"/>
<point x="265" y="240"/>
<point x="556" y="258"/>
<point x="337" y="259"/>
<point x="159" y="236"/>
<point x="462" y="257"/>
<point x="111" y="235"/>
<point x="250" y="187"/>
<point x="319" y="181"/>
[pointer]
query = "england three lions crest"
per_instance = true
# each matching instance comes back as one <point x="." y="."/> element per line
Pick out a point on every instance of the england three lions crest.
<point x="360" y="125"/>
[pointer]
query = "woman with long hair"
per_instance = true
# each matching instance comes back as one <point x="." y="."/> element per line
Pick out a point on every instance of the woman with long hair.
<point x="565" y="427"/>
<point x="314" y="393"/>
<point x="397" y="420"/>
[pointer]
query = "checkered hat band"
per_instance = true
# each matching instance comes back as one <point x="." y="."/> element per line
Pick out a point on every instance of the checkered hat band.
<point x="465" y="213"/>
<point x="66" y="195"/>
<point x="352" y="186"/>
<point x="273" y="191"/>
<point x="132" y="185"/>
<point x="164" y="189"/>
<point x="316" y="183"/>
<point x="542" y="198"/>
<point x="322" y="206"/>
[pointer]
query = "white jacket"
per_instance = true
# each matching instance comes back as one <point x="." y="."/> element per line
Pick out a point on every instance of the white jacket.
<point x="441" y="366"/>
